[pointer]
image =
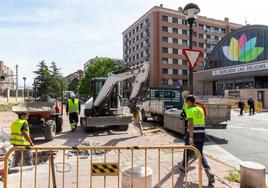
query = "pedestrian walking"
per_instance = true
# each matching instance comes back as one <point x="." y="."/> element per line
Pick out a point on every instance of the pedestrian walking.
<point x="20" y="136"/>
<point x="73" y="109"/>
<point x="251" y="106"/>
<point x="241" y="106"/>
<point x="196" y="130"/>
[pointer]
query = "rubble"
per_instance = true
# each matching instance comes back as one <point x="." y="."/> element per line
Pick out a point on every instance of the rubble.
<point x="84" y="154"/>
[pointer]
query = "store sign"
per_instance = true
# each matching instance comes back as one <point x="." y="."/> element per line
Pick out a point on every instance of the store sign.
<point x="234" y="93"/>
<point x="240" y="69"/>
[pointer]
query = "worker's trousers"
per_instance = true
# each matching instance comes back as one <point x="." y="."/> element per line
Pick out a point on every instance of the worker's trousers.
<point x="199" y="144"/>
<point x="27" y="158"/>
<point x="73" y="118"/>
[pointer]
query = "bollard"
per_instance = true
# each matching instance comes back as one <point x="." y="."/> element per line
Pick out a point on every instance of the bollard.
<point x="138" y="174"/>
<point x="252" y="175"/>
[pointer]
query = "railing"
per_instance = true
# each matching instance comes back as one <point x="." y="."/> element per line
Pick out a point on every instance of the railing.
<point x="106" y="164"/>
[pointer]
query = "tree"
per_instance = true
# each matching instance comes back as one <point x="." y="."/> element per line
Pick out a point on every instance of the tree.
<point x="73" y="85"/>
<point x="48" y="80"/>
<point x="41" y="80"/>
<point x="98" y="68"/>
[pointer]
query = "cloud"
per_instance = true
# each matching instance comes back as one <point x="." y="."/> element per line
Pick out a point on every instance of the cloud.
<point x="70" y="32"/>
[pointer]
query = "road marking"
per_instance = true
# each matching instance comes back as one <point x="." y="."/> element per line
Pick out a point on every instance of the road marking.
<point x="259" y="129"/>
<point x="233" y="126"/>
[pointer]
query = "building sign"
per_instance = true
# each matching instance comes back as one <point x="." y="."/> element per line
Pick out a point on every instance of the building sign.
<point x="240" y="69"/>
<point x="242" y="50"/>
<point x="234" y="93"/>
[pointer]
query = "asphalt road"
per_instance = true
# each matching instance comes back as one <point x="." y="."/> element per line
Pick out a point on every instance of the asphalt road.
<point x="246" y="137"/>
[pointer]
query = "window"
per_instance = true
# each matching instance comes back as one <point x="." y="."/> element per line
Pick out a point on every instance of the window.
<point x="175" y="61"/>
<point x="138" y="56"/>
<point x="133" y="58"/>
<point x="184" y="62"/>
<point x="137" y="29"/>
<point x="184" y="82"/>
<point x="133" y="31"/>
<point x="184" y="72"/>
<point x="141" y="25"/>
<point x="175" y="51"/>
<point x="164" y="71"/>
<point x="129" y="34"/>
<point x="164" y="49"/>
<point x="216" y="38"/>
<point x="175" y="30"/>
<point x="194" y="33"/>
<point x="165" y="29"/>
<point x="201" y="36"/>
<point x="184" y="32"/>
<point x="141" y="54"/>
<point x="142" y="35"/>
<point x="133" y="40"/>
<point x="208" y="36"/>
<point x="223" y="30"/>
<point x="194" y="43"/>
<point x="184" y="22"/>
<point x="201" y="45"/>
<point x="175" y="20"/>
<point x="164" y="60"/>
<point x="165" y="82"/>
<point x="175" y="72"/>
<point x="184" y="42"/>
<point x="164" y="39"/>
<point x="175" y="41"/>
<point x="137" y="37"/>
<point x="137" y="47"/>
<point x="165" y="18"/>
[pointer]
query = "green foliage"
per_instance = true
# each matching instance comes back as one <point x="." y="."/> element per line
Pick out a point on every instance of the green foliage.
<point x="99" y="68"/>
<point x="233" y="176"/>
<point x="48" y="80"/>
<point x="73" y="85"/>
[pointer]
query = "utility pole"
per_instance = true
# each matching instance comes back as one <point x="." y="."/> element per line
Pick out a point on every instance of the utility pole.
<point x="17" y="82"/>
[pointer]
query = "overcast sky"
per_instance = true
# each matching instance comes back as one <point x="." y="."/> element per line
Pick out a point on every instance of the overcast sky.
<point x="70" y="32"/>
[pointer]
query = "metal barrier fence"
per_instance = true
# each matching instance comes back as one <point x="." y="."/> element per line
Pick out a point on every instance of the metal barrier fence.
<point x="107" y="163"/>
<point x="258" y="106"/>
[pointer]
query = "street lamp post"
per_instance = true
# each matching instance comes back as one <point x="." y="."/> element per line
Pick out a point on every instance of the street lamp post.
<point x="190" y="11"/>
<point x="24" y="81"/>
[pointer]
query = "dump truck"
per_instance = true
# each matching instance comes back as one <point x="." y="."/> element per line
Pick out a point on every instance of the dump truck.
<point x="158" y="101"/>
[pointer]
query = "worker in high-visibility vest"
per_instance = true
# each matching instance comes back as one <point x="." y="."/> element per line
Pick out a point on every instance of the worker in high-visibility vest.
<point x="73" y="109"/>
<point x="196" y="130"/>
<point x="20" y="136"/>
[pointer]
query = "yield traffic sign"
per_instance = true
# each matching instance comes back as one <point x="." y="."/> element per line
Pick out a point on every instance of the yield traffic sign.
<point x="192" y="57"/>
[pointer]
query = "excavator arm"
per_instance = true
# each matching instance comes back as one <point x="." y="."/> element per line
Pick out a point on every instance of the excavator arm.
<point x="139" y="73"/>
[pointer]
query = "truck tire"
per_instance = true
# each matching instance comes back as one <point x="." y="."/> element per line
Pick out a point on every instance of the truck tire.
<point x="50" y="130"/>
<point x="143" y="116"/>
<point x="59" y="123"/>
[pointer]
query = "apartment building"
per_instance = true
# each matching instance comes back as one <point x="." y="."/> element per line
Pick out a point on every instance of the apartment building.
<point x="7" y="77"/>
<point x="79" y="74"/>
<point x="159" y="37"/>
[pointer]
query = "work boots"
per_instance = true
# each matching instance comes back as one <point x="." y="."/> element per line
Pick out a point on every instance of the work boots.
<point x="210" y="176"/>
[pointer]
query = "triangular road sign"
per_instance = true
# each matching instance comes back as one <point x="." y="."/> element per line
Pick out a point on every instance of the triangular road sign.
<point x="192" y="57"/>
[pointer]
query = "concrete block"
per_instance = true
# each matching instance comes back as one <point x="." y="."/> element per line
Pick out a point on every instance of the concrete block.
<point x="252" y="175"/>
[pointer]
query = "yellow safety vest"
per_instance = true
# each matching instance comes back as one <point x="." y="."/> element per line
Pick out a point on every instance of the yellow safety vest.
<point x="197" y="114"/>
<point x="16" y="137"/>
<point x="73" y="107"/>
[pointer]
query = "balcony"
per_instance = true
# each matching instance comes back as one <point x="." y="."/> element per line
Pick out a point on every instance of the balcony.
<point x="147" y="45"/>
<point x="146" y="34"/>
<point x="213" y="41"/>
<point x="213" y="31"/>
<point x="145" y="25"/>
